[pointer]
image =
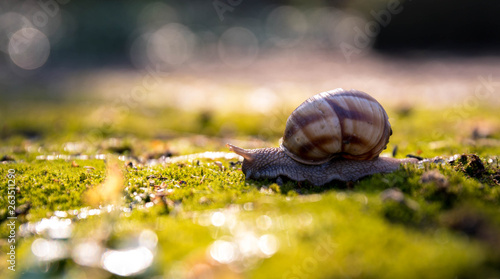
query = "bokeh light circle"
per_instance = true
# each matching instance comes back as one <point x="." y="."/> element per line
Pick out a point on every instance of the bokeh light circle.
<point x="351" y="30"/>
<point x="10" y="23"/>
<point x="29" y="48"/>
<point x="172" y="44"/>
<point x="238" y="47"/>
<point x="286" y="26"/>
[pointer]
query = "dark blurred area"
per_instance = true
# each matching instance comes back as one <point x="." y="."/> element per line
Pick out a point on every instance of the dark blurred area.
<point x="46" y="36"/>
<point x="461" y="27"/>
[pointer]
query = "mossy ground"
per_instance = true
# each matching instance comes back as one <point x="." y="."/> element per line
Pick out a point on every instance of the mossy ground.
<point x="437" y="219"/>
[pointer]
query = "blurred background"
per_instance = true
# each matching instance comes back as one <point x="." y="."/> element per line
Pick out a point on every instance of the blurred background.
<point x="83" y="81"/>
<point x="107" y="59"/>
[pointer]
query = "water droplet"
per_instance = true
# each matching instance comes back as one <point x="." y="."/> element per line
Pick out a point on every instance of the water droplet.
<point x="218" y="219"/>
<point x="61" y="214"/>
<point x="248" y="244"/>
<point x="268" y="244"/>
<point x="48" y="250"/>
<point x="55" y="228"/>
<point x="87" y="253"/>
<point x="127" y="262"/>
<point x="223" y="251"/>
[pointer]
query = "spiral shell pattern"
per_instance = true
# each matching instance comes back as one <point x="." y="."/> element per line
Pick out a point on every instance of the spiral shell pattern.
<point x="347" y="123"/>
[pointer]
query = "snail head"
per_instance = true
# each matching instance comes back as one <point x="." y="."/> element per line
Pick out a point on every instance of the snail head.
<point x="255" y="161"/>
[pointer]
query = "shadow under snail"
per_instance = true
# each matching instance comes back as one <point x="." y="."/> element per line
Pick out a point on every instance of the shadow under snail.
<point x="334" y="135"/>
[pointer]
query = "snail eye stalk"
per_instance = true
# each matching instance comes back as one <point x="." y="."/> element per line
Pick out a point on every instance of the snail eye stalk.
<point x="240" y="151"/>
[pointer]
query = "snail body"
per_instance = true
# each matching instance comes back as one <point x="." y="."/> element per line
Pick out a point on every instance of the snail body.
<point x="334" y="135"/>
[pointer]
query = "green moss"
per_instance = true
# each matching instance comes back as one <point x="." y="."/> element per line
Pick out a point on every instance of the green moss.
<point x="441" y="222"/>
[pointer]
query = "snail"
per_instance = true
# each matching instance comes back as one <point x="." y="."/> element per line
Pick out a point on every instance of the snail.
<point x="334" y="135"/>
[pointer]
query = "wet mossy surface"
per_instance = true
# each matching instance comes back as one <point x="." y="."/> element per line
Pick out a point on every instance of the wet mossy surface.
<point x="438" y="218"/>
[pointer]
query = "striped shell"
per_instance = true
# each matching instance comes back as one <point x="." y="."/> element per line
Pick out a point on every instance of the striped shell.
<point x="348" y="123"/>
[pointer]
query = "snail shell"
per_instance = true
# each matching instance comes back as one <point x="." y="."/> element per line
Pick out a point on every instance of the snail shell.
<point x="335" y="135"/>
<point x="347" y="123"/>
